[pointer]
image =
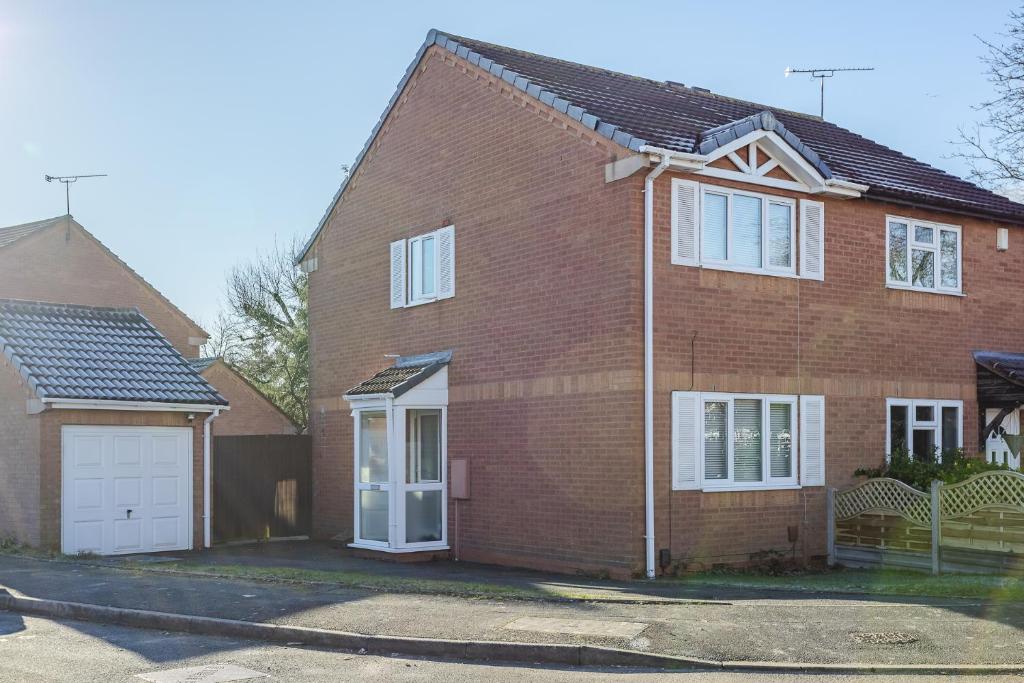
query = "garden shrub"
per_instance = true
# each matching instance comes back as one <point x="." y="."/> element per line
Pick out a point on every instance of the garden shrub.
<point x="955" y="467"/>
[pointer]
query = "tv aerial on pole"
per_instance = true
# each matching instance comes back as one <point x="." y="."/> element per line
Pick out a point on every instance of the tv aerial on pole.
<point x="67" y="180"/>
<point x="822" y="74"/>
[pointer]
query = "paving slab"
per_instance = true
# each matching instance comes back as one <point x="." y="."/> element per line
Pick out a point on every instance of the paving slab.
<point x="804" y="628"/>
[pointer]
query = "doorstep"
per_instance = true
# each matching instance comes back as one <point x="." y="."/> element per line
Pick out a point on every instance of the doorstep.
<point x="403" y="558"/>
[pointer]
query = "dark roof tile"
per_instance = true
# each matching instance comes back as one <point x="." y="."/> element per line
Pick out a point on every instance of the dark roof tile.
<point x="84" y="352"/>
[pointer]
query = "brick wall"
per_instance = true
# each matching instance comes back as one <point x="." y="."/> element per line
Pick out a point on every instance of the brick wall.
<point x="19" y="460"/>
<point x="251" y="412"/>
<point x="544" y="398"/>
<point x="67" y="266"/>
<point x="848" y="338"/>
<point x="50" y="461"/>
<point x="546" y="323"/>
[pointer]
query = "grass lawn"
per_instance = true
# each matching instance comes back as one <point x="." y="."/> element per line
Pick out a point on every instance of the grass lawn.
<point x="871" y="582"/>
<point x="890" y="582"/>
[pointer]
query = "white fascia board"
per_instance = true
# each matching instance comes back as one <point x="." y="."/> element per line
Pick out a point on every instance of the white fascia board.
<point x="154" y="406"/>
<point x="676" y="159"/>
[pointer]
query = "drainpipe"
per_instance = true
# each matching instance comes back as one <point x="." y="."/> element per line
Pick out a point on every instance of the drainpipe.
<point x="649" y="361"/>
<point x="206" y="476"/>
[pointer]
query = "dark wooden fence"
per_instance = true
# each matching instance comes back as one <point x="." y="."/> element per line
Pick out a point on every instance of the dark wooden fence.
<point x="262" y="487"/>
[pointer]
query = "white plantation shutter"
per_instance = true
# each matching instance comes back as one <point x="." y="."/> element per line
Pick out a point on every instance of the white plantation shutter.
<point x="446" y="262"/>
<point x="812" y="240"/>
<point x="812" y="440"/>
<point x="398" y="274"/>
<point x="685" y="440"/>
<point x="685" y="221"/>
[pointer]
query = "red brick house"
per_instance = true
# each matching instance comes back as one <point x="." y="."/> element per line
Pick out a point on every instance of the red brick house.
<point x="679" y="317"/>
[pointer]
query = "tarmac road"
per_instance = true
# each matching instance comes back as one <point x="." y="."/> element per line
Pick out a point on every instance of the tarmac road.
<point x="33" y="649"/>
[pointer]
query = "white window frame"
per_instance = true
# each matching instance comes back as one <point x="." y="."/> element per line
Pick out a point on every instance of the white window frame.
<point x="767" y="481"/>
<point x="415" y="266"/>
<point x="935" y="247"/>
<point x="766" y="201"/>
<point x="396" y="486"/>
<point x="913" y="423"/>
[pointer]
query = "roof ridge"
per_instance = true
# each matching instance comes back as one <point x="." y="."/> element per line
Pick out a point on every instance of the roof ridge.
<point x="672" y="87"/>
<point x="61" y="304"/>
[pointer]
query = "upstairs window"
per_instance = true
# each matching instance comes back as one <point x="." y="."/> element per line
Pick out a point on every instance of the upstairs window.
<point x="922" y="255"/>
<point x="747" y="231"/>
<point x="423" y="268"/>
<point x="730" y="229"/>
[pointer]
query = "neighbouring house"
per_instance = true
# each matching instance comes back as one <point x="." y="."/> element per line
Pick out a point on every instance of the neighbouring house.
<point x="103" y="442"/>
<point x="251" y="411"/>
<point x="59" y="261"/>
<point x="679" y="317"/>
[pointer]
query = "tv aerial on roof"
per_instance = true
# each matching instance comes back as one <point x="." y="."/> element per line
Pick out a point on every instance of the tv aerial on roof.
<point x="822" y="74"/>
<point x="67" y="180"/>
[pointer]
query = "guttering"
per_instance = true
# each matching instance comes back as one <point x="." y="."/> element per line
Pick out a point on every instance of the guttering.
<point x="685" y="160"/>
<point x="649" y="361"/>
<point x="206" y="477"/>
<point x="98" y="404"/>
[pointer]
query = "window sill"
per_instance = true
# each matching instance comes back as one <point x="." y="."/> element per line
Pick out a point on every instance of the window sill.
<point x="907" y="288"/>
<point x="741" y="487"/>
<point x="387" y="549"/>
<point x="746" y="271"/>
<point x="419" y="302"/>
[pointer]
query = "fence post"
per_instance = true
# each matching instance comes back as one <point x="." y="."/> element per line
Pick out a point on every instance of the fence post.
<point x="936" y="495"/>
<point x="831" y="522"/>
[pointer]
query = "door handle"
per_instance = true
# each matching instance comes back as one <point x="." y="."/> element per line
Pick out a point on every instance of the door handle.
<point x="129" y="514"/>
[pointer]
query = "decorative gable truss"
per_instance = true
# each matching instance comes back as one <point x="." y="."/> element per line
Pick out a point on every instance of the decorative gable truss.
<point x="759" y="150"/>
<point x="763" y="157"/>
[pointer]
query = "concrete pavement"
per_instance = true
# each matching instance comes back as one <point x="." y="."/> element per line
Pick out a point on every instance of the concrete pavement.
<point x="794" y="628"/>
<point x="65" y="652"/>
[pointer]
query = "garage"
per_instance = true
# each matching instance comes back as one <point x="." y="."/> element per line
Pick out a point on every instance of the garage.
<point x="126" y="489"/>
<point x="105" y="433"/>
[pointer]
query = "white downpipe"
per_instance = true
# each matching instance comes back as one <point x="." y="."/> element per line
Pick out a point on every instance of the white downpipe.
<point x="649" y="361"/>
<point x="206" y="477"/>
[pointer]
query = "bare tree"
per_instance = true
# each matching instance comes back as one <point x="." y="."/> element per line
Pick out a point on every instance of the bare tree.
<point x="995" y="147"/>
<point x="263" y="331"/>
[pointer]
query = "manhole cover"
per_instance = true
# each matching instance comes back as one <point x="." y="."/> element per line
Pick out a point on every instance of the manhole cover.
<point x="211" y="673"/>
<point x="885" y="638"/>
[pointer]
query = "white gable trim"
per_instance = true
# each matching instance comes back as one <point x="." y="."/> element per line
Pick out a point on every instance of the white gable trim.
<point x="808" y="179"/>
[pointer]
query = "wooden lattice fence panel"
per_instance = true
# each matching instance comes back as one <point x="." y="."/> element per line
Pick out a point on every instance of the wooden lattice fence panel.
<point x="985" y="512"/>
<point x="884" y="531"/>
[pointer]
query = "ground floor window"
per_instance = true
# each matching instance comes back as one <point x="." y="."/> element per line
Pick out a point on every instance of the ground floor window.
<point x="746" y="441"/>
<point x="923" y="428"/>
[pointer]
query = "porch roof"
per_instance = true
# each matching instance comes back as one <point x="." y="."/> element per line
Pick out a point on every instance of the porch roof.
<point x="406" y="373"/>
<point x="1000" y="378"/>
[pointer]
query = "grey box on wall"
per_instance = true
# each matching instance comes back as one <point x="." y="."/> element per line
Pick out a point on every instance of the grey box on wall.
<point x="459" y="480"/>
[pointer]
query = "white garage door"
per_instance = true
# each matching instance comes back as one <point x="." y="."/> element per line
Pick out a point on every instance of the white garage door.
<point x="126" y="489"/>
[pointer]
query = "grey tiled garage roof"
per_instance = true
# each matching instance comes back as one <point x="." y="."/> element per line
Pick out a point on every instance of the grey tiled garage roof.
<point x="635" y="111"/>
<point x="82" y="352"/>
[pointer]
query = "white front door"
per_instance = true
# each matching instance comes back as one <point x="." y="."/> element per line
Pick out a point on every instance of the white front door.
<point x="126" y="489"/>
<point x="996" y="448"/>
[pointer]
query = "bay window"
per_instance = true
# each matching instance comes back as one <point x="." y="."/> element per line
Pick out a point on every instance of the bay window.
<point x="923" y="428"/>
<point x="923" y="255"/>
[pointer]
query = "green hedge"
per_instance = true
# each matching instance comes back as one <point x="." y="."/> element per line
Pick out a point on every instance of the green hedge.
<point x="955" y="466"/>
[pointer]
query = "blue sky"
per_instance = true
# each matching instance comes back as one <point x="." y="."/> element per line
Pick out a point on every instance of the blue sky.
<point x="224" y="125"/>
